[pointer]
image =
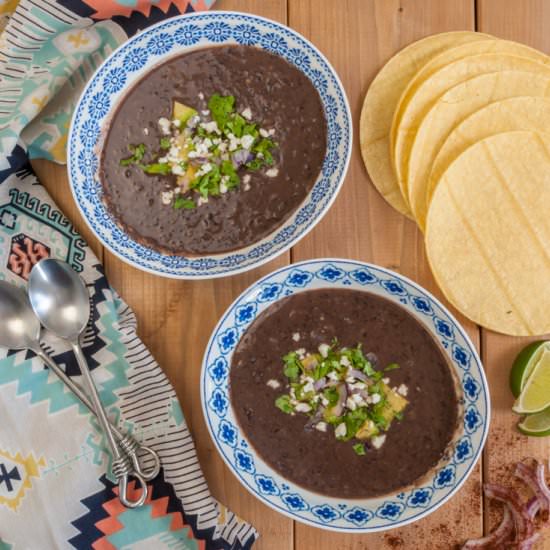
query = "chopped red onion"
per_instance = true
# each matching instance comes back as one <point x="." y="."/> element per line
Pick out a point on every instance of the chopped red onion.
<point x="358" y="375"/>
<point x="338" y="409"/>
<point x="318" y="385"/>
<point x="317" y="417"/>
<point x="241" y="157"/>
<point x="372" y="358"/>
<point x="497" y="537"/>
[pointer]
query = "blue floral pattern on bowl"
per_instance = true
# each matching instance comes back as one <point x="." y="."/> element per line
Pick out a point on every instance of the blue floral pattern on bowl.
<point x="268" y="485"/>
<point x="130" y="62"/>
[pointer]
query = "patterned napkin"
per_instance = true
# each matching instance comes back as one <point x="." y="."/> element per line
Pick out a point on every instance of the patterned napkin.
<point x="56" y="487"/>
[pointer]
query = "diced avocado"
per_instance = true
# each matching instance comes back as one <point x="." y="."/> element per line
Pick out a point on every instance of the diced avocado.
<point x="395" y="403"/>
<point x="367" y="430"/>
<point x="310" y="362"/>
<point x="183" y="112"/>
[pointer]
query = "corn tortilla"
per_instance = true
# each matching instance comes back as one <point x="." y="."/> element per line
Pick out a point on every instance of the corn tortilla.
<point x="516" y="113"/>
<point x="443" y="72"/>
<point x="449" y="110"/>
<point x="488" y="233"/>
<point x="381" y="101"/>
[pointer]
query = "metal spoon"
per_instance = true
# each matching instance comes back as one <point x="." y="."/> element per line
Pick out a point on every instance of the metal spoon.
<point x="62" y="304"/>
<point x="22" y="331"/>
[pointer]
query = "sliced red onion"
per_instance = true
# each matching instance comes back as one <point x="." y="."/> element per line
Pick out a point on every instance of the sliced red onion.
<point x="527" y="544"/>
<point x="534" y="478"/>
<point x="497" y="537"/>
<point x="358" y="374"/>
<point x="532" y="507"/>
<point x="318" y="385"/>
<point x="524" y="526"/>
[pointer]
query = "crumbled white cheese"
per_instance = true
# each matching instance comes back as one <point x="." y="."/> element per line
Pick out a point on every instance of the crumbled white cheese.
<point x="375" y="398"/>
<point x="308" y="388"/>
<point x="403" y="390"/>
<point x="378" y="440"/>
<point x="275" y="384"/>
<point x="324" y="349"/>
<point x="264" y="133"/>
<point x="333" y="375"/>
<point x="162" y="160"/>
<point x="302" y="408"/>
<point x="193" y="121"/>
<point x="296" y="335"/>
<point x="206" y="112"/>
<point x="386" y="380"/>
<point x="201" y="96"/>
<point x="174" y="151"/>
<point x="271" y="131"/>
<point x="292" y="393"/>
<point x="246" y="186"/>
<point x="202" y="201"/>
<point x="246" y="178"/>
<point x="340" y="430"/>
<point x="321" y="426"/>
<point x="178" y="170"/>
<point x="350" y="379"/>
<point x="164" y="125"/>
<point x="176" y="122"/>
<point x="351" y="404"/>
<point x="247" y="141"/>
<point x="358" y="386"/>
<point x="211" y="127"/>
<point x="167" y="197"/>
<point x="345" y="362"/>
<point x="324" y="401"/>
<point x="146" y="131"/>
<point x="247" y="113"/>
<point x="272" y="173"/>
<point x="222" y="147"/>
<point x="223" y="188"/>
<point x="357" y="398"/>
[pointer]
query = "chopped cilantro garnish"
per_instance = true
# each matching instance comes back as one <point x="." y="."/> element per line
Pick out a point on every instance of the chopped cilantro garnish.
<point x="220" y="108"/>
<point x="207" y="151"/>
<point x="182" y="202"/>
<point x="157" y="168"/>
<point x="391" y="366"/>
<point x="341" y="387"/>
<point x="359" y="449"/>
<point x="138" y="151"/>
<point x="283" y="403"/>
<point x="292" y="365"/>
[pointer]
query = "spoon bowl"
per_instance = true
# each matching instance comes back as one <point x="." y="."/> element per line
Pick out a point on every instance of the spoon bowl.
<point x="59" y="298"/>
<point x="21" y="328"/>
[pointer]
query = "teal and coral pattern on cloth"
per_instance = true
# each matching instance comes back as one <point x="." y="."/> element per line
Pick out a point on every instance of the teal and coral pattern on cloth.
<point x="57" y="489"/>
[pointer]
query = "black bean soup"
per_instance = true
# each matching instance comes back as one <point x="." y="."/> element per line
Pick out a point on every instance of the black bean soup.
<point x="317" y="460"/>
<point x="279" y="97"/>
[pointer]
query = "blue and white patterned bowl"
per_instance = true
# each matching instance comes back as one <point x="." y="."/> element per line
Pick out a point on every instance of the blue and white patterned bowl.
<point x="137" y="57"/>
<point x="367" y="515"/>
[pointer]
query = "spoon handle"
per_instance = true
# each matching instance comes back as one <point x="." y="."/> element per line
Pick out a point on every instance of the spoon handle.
<point x="125" y="441"/>
<point x="121" y="462"/>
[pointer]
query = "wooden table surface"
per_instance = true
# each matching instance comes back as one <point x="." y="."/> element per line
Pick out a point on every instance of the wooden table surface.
<point x="177" y="317"/>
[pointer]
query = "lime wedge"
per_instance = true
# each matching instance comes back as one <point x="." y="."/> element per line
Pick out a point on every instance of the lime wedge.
<point x="537" y="425"/>
<point x="524" y="364"/>
<point x="535" y="395"/>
